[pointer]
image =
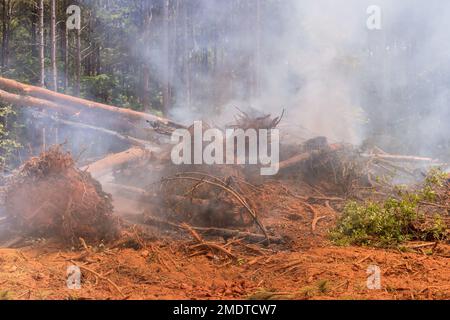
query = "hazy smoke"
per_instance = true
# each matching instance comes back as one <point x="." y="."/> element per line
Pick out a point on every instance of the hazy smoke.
<point x="318" y="60"/>
<point x="334" y="76"/>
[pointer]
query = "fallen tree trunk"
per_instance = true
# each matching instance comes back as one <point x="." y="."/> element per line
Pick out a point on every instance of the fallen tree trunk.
<point x="74" y="113"/>
<point x="128" y="192"/>
<point x="106" y="165"/>
<point x="297" y="159"/>
<point x="67" y="100"/>
<point x="387" y="157"/>
<point x="130" y="140"/>
<point x="25" y="101"/>
<point x="400" y="158"/>
<point x="127" y="139"/>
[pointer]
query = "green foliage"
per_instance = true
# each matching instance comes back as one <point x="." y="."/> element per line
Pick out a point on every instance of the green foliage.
<point x="435" y="178"/>
<point x="101" y="86"/>
<point x="8" y="143"/>
<point x="107" y="89"/>
<point x="393" y="221"/>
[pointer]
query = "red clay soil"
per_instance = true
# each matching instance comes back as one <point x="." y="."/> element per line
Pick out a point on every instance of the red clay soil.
<point x="309" y="267"/>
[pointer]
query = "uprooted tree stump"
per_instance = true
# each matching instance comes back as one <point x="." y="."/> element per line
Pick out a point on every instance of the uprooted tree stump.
<point x="50" y="197"/>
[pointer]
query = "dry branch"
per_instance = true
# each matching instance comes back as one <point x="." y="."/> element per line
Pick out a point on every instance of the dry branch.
<point x="220" y="232"/>
<point x="256" y="120"/>
<point x="218" y="183"/>
<point x="100" y="277"/>
<point x="204" y="244"/>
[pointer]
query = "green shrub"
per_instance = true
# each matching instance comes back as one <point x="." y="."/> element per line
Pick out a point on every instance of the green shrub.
<point x="393" y="221"/>
<point x="8" y="143"/>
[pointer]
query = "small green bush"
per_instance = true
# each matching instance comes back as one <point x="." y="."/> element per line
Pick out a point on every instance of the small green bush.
<point x="389" y="223"/>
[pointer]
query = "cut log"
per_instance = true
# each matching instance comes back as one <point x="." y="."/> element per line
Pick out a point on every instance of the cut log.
<point x="66" y="100"/>
<point x="130" y="140"/>
<point x="127" y="192"/>
<point x="124" y="138"/>
<point x="106" y="165"/>
<point x="109" y="123"/>
<point x="297" y="159"/>
<point x="25" y="101"/>
<point x="386" y="157"/>
<point x="400" y="158"/>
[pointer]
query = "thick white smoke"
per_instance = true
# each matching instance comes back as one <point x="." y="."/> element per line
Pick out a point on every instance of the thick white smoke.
<point x="334" y="76"/>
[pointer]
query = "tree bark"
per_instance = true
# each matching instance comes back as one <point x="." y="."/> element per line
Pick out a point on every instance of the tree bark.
<point x="78" y="64"/>
<point x="145" y="94"/>
<point x="145" y="88"/>
<point x="107" y="164"/>
<point x="166" y="90"/>
<point x="34" y="29"/>
<point x="65" y="101"/>
<point x="26" y="101"/>
<point x="187" y="53"/>
<point x="6" y="26"/>
<point x="64" y="46"/>
<point x="41" y="44"/>
<point x="53" y="46"/>
<point x="401" y="158"/>
<point x="293" y="161"/>
<point x="132" y="141"/>
<point x="66" y="59"/>
<point x="257" y="84"/>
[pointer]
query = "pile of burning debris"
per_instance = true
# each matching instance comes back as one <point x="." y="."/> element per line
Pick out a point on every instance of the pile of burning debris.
<point x="49" y="196"/>
<point x="201" y="200"/>
<point x="223" y="200"/>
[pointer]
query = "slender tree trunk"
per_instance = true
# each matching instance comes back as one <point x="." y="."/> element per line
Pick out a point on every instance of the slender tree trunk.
<point x="145" y="88"/>
<point x="34" y="32"/>
<point x="145" y="75"/>
<point x="66" y="49"/>
<point x="6" y="25"/>
<point x="66" y="58"/>
<point x="41" y="44"/>
<point x="63" y="43"/>
<point x="166" y="92"/>
<point x="187" y="53"/>
<point x="78" y="64"/>
<point x="173" y="46"/>
<point x="4" y="32"/>
<point x="257" y="84"/>
<point x="98" y="66"/>
<point x="53" y="46"/>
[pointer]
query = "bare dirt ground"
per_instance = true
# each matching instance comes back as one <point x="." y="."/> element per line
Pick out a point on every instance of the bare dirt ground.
<point x="165" y="267"/>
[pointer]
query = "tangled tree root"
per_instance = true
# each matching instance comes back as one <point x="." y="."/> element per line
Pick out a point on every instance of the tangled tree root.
<point x="51" y="197"/>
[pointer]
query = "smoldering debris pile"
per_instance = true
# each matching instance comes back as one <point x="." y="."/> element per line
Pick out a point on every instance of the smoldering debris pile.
<point x="50" y="197"/>
<point x="224" y="199"/>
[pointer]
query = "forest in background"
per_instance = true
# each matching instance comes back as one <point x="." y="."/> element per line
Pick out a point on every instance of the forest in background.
<point x="109" y="59"/>
<point x="185" y="58"/>
<point x="132" y="54"/>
